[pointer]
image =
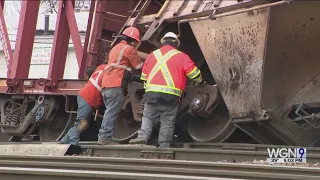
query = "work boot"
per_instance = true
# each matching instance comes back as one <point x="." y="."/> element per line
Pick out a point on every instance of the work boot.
<point x="107" y="142"/>
<point x="137" y="141"/>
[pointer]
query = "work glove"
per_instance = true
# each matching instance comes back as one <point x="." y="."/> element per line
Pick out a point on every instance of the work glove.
<point x="136" y="78"/>
<point x="202" y="82"/>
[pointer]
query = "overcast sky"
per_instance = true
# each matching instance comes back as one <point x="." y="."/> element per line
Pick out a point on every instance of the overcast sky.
<point x="12" y="7"/>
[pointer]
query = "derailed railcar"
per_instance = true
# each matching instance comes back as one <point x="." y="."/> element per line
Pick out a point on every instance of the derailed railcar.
<point x="263" y="57"/>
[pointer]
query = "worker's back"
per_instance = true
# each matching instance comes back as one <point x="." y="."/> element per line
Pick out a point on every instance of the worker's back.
<point x="91" y="92"/>
<point x="171" y="77"/>
<point x="122" y="58"/>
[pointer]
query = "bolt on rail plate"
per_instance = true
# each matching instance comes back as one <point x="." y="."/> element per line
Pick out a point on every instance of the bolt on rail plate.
<point x="157" y="154"/>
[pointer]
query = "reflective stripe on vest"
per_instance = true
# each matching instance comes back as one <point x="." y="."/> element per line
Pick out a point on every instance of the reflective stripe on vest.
<point x="162" y="65"/>
<point x="117" y="64"/>
<point x="95" y="81"/>
<point x="139" y="65"/>
<point x="194" y="73"/>
<point x="143" y="76"/>
<point x="163" y="89"/>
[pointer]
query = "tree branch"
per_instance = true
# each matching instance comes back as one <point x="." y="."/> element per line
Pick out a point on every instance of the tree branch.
<point x="52" y="5"/>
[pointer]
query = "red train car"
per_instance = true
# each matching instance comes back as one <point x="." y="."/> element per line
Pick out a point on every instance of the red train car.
<point x="44" y="107"/>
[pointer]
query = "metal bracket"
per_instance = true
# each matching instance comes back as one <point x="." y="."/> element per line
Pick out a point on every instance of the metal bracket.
<point x="157" y="154"/>
<point x="253" y="117"/>
<point x="235" y="75"/>
<point x="305" y="117"/>
<point x="265" y="115"/>
<point x="207" y="6"/>
<point x="48" y="84"/>
<point x="34" y="149"/>
<point x="13" y="85"/>
<point x="216" y="5"/>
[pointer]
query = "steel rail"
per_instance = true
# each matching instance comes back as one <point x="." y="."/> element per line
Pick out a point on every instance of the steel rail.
<point x="205" y="170"/>
<point x="242" y="146"/>
<point x="222" y="146"/>
<point x="15" y="173"/>
<point x="212" y="152"/>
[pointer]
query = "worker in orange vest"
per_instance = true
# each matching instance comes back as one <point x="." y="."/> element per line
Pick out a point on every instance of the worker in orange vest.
<point x="165" y="72"/>
<point x="89" y="99"/>
<point x="118" y="73"/>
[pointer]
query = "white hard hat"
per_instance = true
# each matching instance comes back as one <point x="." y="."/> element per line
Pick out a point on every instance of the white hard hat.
<point x="171" y="35"/>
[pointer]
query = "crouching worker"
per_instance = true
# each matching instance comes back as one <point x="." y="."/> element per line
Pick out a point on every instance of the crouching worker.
<point x="89" y="99"/>
<point x="165" y="72"/>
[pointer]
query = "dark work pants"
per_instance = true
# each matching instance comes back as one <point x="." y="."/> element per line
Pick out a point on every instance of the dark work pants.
<point x="152" y="114"/>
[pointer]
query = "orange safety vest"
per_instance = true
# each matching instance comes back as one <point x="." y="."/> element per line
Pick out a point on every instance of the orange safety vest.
<point x="166" y="71"/>
<point x="121" y="57"/>
<point x="91" y="92"/>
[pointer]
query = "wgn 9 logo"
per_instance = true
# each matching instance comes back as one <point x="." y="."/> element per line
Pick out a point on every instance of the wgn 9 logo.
<point x="287" y="155"/>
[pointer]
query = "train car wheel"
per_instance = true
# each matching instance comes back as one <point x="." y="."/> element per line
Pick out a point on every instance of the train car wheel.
<point x="57" y="129"/>
<point x="215" y="128"/>
<point x="125" y="126"/>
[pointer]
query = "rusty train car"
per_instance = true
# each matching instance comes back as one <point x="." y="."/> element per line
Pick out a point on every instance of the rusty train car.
<point x="258" y="57"/>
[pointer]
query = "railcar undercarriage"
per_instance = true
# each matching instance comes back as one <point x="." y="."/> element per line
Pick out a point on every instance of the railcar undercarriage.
<point x="34" y="118"/>
<point x="259" y="60"/>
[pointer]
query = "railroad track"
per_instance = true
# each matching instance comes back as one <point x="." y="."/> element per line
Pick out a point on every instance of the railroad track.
<point x="211" y="152"/>
<point x="194" y="152"/>
<point x="48" y="161"/>
<point x="79" y="167"/>
<point x="54" y="174"/>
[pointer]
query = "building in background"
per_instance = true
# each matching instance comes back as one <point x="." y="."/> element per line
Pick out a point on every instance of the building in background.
<point x="43" y="44"/>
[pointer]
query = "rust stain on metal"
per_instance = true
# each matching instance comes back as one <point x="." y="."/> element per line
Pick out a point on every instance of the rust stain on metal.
<point x="292" y="64"/>
<point x="235" y="44"/>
